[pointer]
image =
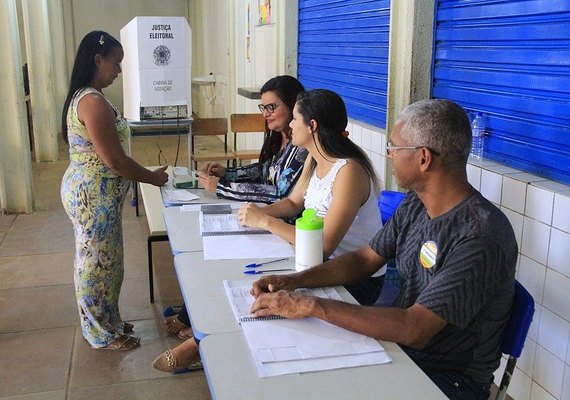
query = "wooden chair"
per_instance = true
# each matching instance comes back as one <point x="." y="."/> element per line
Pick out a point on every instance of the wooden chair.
<point x="210" y="127"/>
<point x="246" y="123"/>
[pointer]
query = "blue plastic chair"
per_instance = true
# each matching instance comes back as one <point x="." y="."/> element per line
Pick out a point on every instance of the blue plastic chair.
<point x="515" y="334"/>
<point x="388" y="202"/>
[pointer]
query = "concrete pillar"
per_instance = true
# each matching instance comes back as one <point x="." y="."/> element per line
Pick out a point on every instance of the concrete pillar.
<point x="410" y="55"/>
<point x="15" y="157"/>
<point x="39" y="51"/>
<point x="61" y="75"/>
<point x="288" y="38"/>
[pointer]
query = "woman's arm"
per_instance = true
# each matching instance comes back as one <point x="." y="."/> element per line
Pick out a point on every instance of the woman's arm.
<point x="350" y="191"/>
<point x="99" y="119"/>
<point x="268" y="217"/>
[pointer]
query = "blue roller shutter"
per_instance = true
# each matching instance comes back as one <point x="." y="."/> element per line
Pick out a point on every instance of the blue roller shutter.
<point x="343" y="46"/>
<point x="510" y="60"/>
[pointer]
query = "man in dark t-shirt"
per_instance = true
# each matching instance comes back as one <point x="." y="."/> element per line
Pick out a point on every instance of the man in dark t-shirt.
<point x="454" y="250"/>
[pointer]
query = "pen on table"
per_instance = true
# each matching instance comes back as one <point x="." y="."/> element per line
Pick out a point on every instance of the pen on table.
<point x="255" y="265"/>
<point x="255" y="272"/>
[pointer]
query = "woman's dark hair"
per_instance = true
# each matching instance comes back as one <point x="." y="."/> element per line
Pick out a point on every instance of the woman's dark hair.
<point x="328" y="110"/>
<point x="287" y="89"/>
<point x="96" y="42"/>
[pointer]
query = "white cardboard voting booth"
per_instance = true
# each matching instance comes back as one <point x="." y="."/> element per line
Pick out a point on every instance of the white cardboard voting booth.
<point x="157" y="68"/>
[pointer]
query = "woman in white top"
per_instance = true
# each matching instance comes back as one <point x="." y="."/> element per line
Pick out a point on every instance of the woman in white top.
<point x="338" y="181"/>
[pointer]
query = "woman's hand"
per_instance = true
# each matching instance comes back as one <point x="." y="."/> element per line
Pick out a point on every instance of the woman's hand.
<point x="251" y="215"/>
<point x="159" y="176"/>
<point x="214" y="169"/>
<point x="208" y="182"/>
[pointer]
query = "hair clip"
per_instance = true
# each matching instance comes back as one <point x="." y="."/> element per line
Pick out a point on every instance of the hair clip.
<point x="102" y="40"/>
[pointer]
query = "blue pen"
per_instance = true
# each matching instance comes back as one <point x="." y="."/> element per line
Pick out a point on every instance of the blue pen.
<point x="255" y="265"/>
<point x="255" y="272"/>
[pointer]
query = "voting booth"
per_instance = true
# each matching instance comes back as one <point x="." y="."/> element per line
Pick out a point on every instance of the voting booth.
<point x="157" y="68"/>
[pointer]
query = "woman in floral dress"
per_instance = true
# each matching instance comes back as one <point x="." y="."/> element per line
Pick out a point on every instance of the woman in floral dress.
<point x="94" y="189"/>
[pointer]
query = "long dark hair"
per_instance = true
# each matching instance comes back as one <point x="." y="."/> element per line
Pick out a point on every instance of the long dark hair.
<point x="287" y="89"/>
<point x="328" y="109"/>
<point x="96" y="42"/>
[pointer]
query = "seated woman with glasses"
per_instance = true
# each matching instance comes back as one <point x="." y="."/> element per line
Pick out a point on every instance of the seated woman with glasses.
<point x="338" y="181"/>
<point x="280" y="162"/>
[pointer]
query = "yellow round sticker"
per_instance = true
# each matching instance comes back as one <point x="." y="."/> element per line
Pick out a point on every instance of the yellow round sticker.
<point x="428" y="254"/>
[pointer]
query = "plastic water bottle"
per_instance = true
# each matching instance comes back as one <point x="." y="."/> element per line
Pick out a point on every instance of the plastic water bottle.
<point x="308" y="240"/>
<point x="478" y="139"/>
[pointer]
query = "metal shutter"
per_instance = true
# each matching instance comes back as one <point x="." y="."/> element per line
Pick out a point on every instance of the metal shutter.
<point x="510" y="60"/>
<point x="343" y="46"/>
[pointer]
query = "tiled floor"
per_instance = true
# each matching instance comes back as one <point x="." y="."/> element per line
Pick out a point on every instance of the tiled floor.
<point x="42" y="352"/>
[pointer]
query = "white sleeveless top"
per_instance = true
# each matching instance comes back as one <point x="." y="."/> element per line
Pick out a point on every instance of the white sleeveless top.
<point x="364" y="226"/>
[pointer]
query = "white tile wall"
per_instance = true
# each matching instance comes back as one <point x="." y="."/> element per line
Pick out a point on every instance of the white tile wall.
<point x="561" y="216"/>
<point x="491" y="186"/>
<point x="520" y="386"/>
<point x="531" y="275"/>
<point x="566" y="384"/>
<point x="536" y="236"/>
<point x="539" y="204"/>
<point x="474" y="176"/>
<point x="514" y="194"/>
<point x="539" y="211"/>
<point x="548" y="372"/>
<point x="516" y="221"/>
<point x="557" y="293"/>
<point x="553" y="333"/>
<point x="538" y="393"/>
<point x="559" y="252"/>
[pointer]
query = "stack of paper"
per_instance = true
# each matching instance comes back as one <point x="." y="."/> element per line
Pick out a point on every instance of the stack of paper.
<point x="286" y="346"/>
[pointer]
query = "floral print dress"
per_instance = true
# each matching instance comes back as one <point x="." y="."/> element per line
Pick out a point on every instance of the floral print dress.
<point x="93" y="197"/>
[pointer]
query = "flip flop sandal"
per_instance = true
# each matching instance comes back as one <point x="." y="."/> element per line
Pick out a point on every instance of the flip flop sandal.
<point x="186" y="334"/>
<point x="124" y="343"/>
<point x="174" y="326"/>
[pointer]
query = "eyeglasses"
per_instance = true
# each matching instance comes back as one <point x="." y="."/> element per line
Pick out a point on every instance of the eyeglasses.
<point x="270" y="108"/>
<point x="391" y="149"/>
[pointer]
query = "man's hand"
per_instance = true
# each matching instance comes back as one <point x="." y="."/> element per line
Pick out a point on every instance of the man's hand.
<point x="272" y="283"/>
<point x="283" y="303"/>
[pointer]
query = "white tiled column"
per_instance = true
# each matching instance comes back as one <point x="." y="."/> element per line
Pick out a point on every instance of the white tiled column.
<point x="40" y="66"/>
<point x="15" y="158"/>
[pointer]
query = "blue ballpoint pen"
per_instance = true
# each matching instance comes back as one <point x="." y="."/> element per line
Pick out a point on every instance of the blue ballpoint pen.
<point x="255" y="265"/>
<point x="255" y="272"/>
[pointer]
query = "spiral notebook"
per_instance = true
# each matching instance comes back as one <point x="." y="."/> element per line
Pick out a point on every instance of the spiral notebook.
<point x="225" y="224"/>
<point x="283" y="346"/>
<point x="240" y="301"/>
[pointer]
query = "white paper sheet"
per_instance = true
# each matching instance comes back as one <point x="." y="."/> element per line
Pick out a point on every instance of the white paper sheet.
<point x="246" y="246"/>
<point x="179" y="195"/>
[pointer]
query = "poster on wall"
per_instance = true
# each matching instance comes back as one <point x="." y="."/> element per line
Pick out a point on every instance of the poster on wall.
<point x="264" y="12"/>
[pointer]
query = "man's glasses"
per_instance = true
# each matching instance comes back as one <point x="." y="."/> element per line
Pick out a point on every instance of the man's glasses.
<point x="270" y="108"/>
<point x="391" y="149"/>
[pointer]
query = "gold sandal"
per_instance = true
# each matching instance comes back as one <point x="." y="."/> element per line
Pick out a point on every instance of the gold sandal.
<point x="167" y="362"/>
<point x="124" y="343"/>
